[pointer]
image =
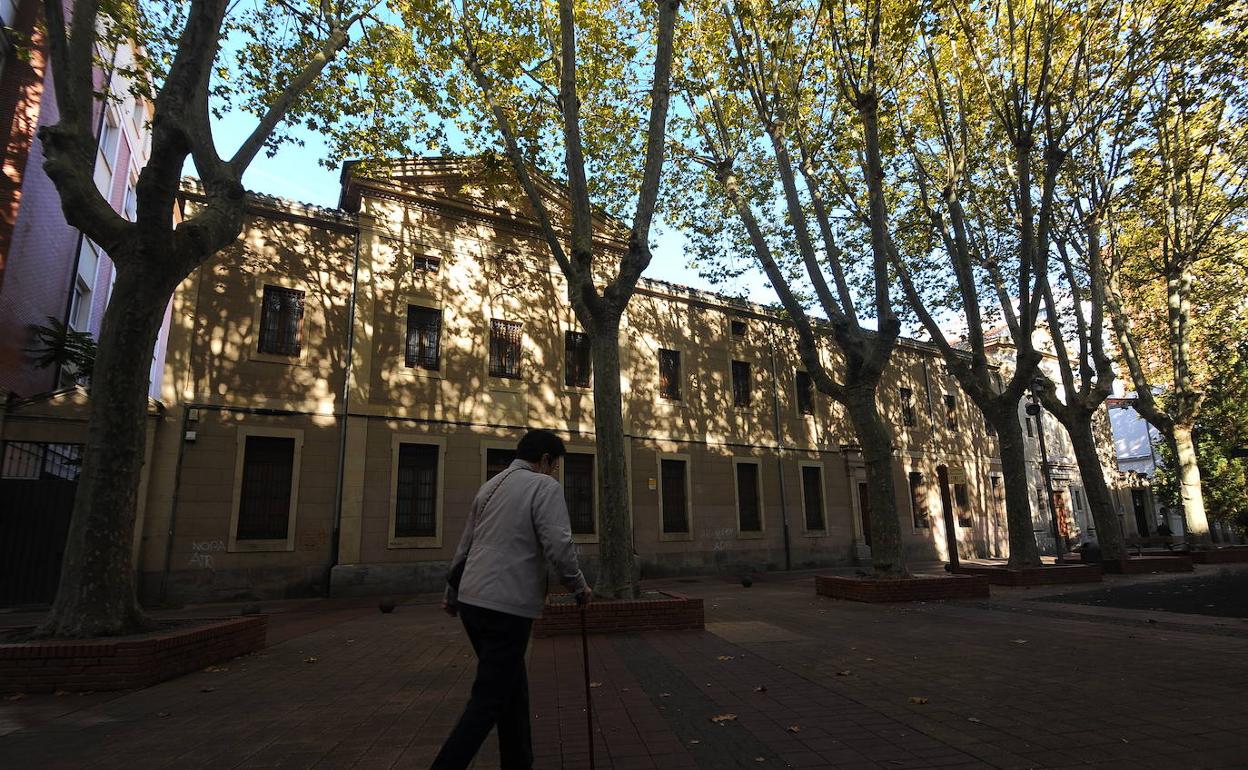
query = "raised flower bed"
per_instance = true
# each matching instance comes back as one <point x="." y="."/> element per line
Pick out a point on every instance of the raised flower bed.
<point x="911" y="589"/>
<point x="1047" y="575"/>
<point x="1140" y="565"/>
<point x="126" y="662"/>
<point x="1232" y="555"/>
<point x="654" y="611"/>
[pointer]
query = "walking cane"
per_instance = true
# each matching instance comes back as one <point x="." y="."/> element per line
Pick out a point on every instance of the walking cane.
<point x="589" y="709"/>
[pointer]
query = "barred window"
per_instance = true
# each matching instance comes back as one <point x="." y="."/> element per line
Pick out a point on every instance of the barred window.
<point x="738" y="328"/>
<point x="675" y="505"/>
<point x="669" y="374"/>
<point x="805" y="393"/>
<point x="907" y="407"/>
<point x="951" y="412"/>
<point x="918" y="502"/>
<point x="578" y="491"/>
<point x="749" y="509"/>
<point x="426" y="264"/>
<point x="505" y="349"/>
<point x="416" y="494"/>
<point x="812" y="497"/>
<point x="741" y="391"/>
<point x="264" y="501"/>
<point x="577" y="361"/>
<point x="281" y="321"/>
<point x="424" y="333"/>
<point x="962" y="499"/>
<point x="28" y="460"/>
<point x="497" y="461"/>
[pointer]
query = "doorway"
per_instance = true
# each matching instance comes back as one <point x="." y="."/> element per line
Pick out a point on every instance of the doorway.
<point x="864" y="512"/>
<point x="946" y="507"/>
<point x="1141" y="512"/>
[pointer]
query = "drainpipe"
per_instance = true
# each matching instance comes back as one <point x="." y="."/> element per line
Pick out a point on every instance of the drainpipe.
<point x="346" y="410"/>
<point x="775" y="400"/>
<point x="173" y="505"/>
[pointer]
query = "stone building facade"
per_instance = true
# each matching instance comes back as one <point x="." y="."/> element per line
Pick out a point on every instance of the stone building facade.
<point x="339" y="383"/>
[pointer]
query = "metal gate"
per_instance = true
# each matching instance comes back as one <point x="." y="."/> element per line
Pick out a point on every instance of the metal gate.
<point x="37" y="486"/>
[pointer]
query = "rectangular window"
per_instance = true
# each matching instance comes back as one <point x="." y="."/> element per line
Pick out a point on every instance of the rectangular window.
<point x="578" y="491"/>
<point x="110" y="136"/>
<point x="505" y="349"/>
<point x="812" y="497"/>
<point x="962" y="499"/>
<point x="675" y="506"/>
<point x="424" y="338"/>
<point x="989" y="427"/>
<point x="738" y="328"/>
<point x="805" y="393"/>
<point x="130" y="204"/>
<point x="749" y="507"/>
<point x="1077" y="496"/>
<point x="1030" y="431"/>
<point x="80" y="306"/>
<point x="416" y="496"/>
<point x="426" y="264"/>
<point x="951" y="412"/>
<point x="281" y="321"/>
<point x="264" y="502"/>
<point x="497" y="460"/>
<point x="741" y="391"/>
<point x="577" y="361"/>
<point x="1044" y="508"/>
<point x="918" y="502"/>
<point x="669" y="374"/>
<point x="907" y="407"/>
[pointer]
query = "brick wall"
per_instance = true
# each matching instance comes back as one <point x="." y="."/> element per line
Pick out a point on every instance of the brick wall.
<point x="671" y="613"/>
<point x="125" y="664"/>
<point x="903" y="590"/>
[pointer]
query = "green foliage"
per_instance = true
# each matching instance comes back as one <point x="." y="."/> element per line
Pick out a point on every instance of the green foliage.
<point x="56" y="344"/>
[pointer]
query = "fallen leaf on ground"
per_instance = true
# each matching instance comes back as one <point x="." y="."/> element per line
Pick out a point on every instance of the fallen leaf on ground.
<point x="846" y="672"/>
<point x="665" y="695"/>
<point x="15" y="696"/>
<point x="973" y="719"/>
<point x="794" y="728"/>
<point x="60" y="693"/>
<point x="207" y="689"/>
<point x="870" y="660"/>
<point x="1019" y="641"/>
<point x="694" y="741"/>
<point x="310" y="659"/>
<point x="724" y="657"/>
<point x="761" y="688"/>
<point x="163" y="714"/>
<point x="760" y="759"/>
<point x="719" y="718"/>
<point x="918" y="699"/>
<point x="595" y="684"/>
<point x="216" y="669"/>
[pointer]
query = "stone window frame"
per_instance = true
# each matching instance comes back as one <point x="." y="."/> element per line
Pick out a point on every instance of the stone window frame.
<point x="823" y="497"/>
<point x="587" y="449"/>
<point x="665" y="536"/>
<point x="400" y="367"/>
<point x="233" y="544"/>
<point x="757" y="462"/>
<point x="253" y="341"/>
<point x="412" y="437"/>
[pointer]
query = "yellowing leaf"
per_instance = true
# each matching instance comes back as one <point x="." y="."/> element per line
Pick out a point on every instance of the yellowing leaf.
<point x="721" y="718"/>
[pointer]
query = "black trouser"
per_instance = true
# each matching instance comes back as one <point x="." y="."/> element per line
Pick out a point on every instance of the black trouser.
<point x="500" y="694"/>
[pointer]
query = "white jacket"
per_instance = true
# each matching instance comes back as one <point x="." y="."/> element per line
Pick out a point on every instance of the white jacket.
<point x="524" y="525"/>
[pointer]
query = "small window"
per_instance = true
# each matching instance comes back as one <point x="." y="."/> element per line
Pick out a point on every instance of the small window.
<point x="281" y="321"/>
<point x="741" y="391"/>
<point x="812" y="497"/>
<point x="264" y="500"/>
<point x="962" y="499"/>
<point x="577" y="360"/>
<point x="497" y="461"/>
<point x="416" y="495"/>
<point x="1077" y="497"/>
<point x="675" y="505"/>
<point x="426" y="264"/>
<point x="80" y="306"/>
<point x="130" y="204"/>
<point x="505" y="349"/>
<point x="1044" y="508"/>
<point x="805" y="393"/>
<point x="110" y="137"/>
<point x="578" y="491"/>
<point x="918" y="502"/>
<point x="1031" y="433"/>
<point x="907" y="407"/>
<point x="669" y="374"/>
<point x="951" y="412"/>
<point x="424" y="333"/>
<point x="738" y="328"/>
<point x="749" y="507"/>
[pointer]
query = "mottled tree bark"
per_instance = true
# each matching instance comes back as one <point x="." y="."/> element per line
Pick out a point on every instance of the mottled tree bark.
<point x="1100" y="502"/>
<point x="887" y="551"/>
<point x="1004" y="419"/>
<point x="1189" y="482"/>
<point x="615" y="545"/>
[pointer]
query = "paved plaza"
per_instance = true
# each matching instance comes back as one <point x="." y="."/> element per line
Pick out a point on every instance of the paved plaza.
<point x="780" y="678"/>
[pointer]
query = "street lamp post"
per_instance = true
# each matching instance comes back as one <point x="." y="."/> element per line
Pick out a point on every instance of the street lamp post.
<point x="1034" y="410"/>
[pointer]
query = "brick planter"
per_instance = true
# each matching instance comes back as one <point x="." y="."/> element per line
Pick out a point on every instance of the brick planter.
<point x="904" y="590"/>
<point x="1221" y="556"/>
<point x="1048" y="575"/>
<point x="127" y="662"/>
<point x="673" y="612"/>
<point x="1139" y="565"/>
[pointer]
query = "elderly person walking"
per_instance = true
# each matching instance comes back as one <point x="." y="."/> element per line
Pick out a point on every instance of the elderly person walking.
<point x="497" y="585"/>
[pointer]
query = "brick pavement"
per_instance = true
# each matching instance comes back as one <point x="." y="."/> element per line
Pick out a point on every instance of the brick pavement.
<point x="814" y="683"/>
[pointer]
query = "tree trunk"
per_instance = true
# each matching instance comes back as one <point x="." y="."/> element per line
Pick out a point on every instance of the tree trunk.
<point x="1189" y="483"/>
<point x="97" y="594"/>
<point x="1100" y="502"/>
<point x="615" y="543"/>
<point x="1023" y="550"/>
<point x="887" y="552"/>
